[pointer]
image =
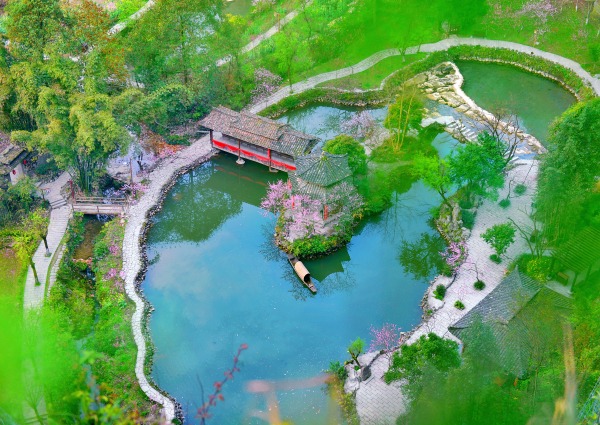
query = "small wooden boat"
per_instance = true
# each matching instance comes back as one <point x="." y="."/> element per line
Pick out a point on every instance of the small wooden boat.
<point x="302" y="272"/>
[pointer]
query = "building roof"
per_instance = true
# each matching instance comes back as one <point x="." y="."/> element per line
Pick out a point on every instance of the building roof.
<point x="10" y="155"/>
<point x="324" y="169"/>
<point x="512" y="311"/>
<point x="259" y="131"/>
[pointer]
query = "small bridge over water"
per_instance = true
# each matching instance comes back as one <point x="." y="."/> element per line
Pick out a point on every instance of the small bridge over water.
<point x="99" y="205"/>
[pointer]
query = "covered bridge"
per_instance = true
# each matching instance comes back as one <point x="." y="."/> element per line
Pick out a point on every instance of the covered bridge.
<point x="259" y="139"/>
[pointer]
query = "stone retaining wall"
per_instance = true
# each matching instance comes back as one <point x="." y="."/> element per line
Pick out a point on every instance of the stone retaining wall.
<point x="162" y="178"/>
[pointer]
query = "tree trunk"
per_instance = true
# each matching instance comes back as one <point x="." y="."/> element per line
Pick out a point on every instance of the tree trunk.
<point x="46" y="245"/>
<point x="35" y="275"/>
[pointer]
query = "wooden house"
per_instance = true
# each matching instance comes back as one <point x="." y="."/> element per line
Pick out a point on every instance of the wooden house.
<point x="12" y="160"/>
<point x="259" y="139"/>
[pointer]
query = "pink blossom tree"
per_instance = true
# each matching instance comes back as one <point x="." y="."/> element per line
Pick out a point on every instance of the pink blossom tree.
<point x="265" y="84"/>
<point x="359" y="125"/>
<point x="455" y="254"/>
<point x="386" y="339"/>
<point x="203" y="412"/>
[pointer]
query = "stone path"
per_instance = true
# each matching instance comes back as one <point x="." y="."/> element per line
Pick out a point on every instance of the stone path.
<point x="59" y="218"/>
<point x="161" y="178"/>
<point x="442" y="45"/>
<point x="266" y="35"/>
<point x="379" y="403"/>
<point x="137" y="15"/>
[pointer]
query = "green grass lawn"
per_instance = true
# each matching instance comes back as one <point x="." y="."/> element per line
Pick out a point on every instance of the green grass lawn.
<point x="564" y="33"/>
<point x="12" y="278"/>
<point x="372" y="77"/>
<point x="12" y="281"/>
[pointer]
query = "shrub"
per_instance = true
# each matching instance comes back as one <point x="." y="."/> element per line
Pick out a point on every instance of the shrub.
<point x="439" y="292"/>
<point x="338" y="369"/>
<point x="479" y="285"/>
<point x="505" y="203"/>
<point x="496" y="258"/>
<point x="500" y="237"/>
<point x="459" y="305"/>
<point x="465" y="203"/>
<point x="468" y="219"/>
<point x="431" y="350"/>
<point x="520" y="189"/>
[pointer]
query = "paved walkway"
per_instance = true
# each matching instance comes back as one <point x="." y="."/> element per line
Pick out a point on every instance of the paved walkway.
<point x="137" y="15"/>
<point x="34" y="294"/>
<point x="161" y="179"/>
<point x="266" y="35"/>
<point x="379" y="403"/>
<point x="442" y="45"/>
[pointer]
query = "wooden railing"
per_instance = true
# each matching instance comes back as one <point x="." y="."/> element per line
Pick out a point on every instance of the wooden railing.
<point x="99" y="205"/>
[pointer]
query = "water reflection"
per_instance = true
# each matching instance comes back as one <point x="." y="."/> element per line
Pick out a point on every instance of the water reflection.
<point x="421" y="258"/>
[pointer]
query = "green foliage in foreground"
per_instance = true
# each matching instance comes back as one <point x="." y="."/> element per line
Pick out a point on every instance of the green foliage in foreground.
<point x="430" y="351"/>
<point x="568" y="199"/>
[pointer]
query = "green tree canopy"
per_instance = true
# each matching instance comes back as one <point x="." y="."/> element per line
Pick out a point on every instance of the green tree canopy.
<point x="568" y="180"/>
<point x="479" y="166"/>
<point x="435" y="173"/>
<point x="346" y="145"/>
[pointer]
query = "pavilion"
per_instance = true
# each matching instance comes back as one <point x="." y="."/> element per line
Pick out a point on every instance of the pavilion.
<point x="325" y="177"/>
<point x="259" y="139"/>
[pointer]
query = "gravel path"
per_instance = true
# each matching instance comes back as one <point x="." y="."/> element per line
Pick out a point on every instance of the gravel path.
<point x="442" y="45"/>
<point x="161" y="179"/>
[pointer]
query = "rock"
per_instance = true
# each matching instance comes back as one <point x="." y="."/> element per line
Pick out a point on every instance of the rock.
<point x="463" y="108"/>
<point x="420" y="79"/>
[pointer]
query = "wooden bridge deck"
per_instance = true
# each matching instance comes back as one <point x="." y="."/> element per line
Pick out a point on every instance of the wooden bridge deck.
<point x="95" y="205"/>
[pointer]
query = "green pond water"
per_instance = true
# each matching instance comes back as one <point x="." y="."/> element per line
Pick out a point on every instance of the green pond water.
<point x="216" y="281"/>
<point x="537" y="101"/>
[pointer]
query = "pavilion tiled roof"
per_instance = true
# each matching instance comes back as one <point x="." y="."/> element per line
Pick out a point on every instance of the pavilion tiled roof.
<point x="324" y="169"/>
<point x="259" y="131"/>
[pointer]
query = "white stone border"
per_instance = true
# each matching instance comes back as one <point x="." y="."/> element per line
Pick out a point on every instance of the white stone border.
<point x="134" y="260"/>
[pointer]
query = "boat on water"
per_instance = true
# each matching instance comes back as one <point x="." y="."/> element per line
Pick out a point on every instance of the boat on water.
<point x="302" y="272"/>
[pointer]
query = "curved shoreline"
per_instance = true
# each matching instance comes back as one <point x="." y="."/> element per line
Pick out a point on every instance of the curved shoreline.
<point x="161" y="179"/>
<point x="440" y="46"/>
<point x="164" y="177"/>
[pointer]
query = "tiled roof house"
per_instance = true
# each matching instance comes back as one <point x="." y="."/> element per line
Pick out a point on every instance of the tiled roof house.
<point x="511" y="311"/>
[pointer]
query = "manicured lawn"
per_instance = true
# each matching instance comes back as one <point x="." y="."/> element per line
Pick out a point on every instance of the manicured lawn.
<point x="372" y="77"/>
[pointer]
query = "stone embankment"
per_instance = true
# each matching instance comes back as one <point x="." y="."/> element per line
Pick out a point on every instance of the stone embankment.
<point x="161" y="179"/>
<point x="443" y="83"/>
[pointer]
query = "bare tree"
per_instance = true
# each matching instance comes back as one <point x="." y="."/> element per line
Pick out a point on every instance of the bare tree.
<point x="504" y="127"/>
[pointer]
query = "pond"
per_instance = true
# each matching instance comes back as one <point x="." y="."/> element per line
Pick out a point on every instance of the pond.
<point x="217" y="281"/>
<point x="536" y="100"/>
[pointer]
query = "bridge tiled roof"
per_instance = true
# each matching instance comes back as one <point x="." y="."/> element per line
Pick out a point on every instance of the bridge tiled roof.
<point x="259" y="131"/>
